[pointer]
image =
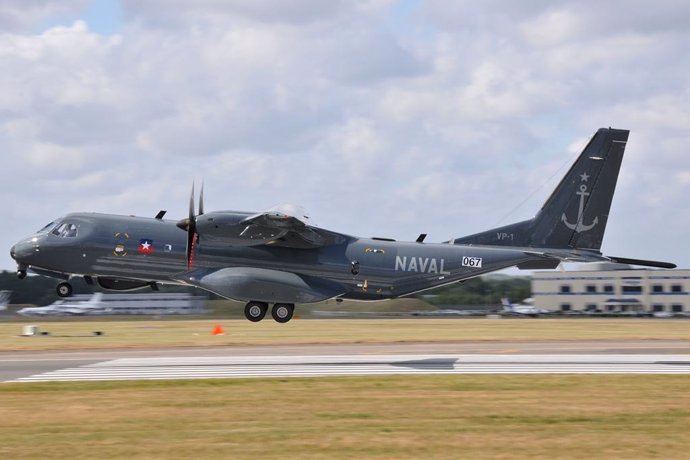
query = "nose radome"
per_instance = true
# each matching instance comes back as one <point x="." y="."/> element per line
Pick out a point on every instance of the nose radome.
<point x="21" y="251"/>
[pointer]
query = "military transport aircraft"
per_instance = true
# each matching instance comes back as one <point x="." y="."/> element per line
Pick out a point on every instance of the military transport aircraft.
<point x="520" y="309"/>
<point x="277" y="257"/>
<point x="92" y="306"/>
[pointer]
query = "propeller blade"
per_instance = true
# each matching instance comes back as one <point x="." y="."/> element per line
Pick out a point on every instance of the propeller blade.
<point x="191" y="239"/>
<point x="191" y="204"/>
<point x="201" y="200"/>
<point x="191" y="231"/>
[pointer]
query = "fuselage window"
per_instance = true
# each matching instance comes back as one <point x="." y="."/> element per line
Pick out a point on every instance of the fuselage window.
<point x="65" y="230"/>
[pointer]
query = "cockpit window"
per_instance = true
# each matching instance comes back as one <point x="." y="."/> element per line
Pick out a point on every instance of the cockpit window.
<point x="65" y="230"/>
<point x="47" y="228"/>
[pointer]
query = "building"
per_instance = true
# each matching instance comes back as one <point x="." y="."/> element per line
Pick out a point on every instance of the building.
<point x="613" y="288"/>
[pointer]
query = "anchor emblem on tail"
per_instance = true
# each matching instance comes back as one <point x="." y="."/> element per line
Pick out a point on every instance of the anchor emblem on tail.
<point x="579" y="226"/>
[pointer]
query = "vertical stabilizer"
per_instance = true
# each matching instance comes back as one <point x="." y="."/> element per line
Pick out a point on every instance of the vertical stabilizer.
<point x="4" y="299"/>
<point x="576" y="213"/>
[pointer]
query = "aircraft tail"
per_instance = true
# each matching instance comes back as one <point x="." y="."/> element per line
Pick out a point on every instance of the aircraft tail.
<point x="575" y="215"/>
<point x="96" y="298"/>
<point x="4" y="299"/>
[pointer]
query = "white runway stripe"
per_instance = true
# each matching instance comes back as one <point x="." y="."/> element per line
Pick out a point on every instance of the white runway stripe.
<point x="313" y="366"/>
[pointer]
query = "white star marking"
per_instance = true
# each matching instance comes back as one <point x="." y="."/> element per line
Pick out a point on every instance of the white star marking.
<point x="145" y="245"/>
<point x="584" y="177"/>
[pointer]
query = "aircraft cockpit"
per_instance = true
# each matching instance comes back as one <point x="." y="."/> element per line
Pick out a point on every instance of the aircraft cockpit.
<point x="46" y="229"/>
<point x="45" y="244"/>
<point x="61" y="229"/>
<point x="65" y="230"/>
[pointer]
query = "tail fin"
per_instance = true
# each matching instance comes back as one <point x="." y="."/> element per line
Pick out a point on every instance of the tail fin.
<point x="95" y="299"/>
<point x="576" y="213"/>
<point x="4" y="299"/>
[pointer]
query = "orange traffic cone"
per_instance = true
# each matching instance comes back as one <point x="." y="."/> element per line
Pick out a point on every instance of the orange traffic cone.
<point x="218" y="330"/>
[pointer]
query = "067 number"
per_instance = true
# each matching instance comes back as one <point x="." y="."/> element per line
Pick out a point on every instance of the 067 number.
<point x="475" y="262"/>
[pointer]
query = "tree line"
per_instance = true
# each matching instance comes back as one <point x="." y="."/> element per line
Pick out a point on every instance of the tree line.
<point x="40" y="290"/>
<point x="482" y="291"/>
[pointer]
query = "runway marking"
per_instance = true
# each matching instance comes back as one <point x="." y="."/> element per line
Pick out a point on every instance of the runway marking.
<point x="162" y="368"/>
<point x="508" y="350"/>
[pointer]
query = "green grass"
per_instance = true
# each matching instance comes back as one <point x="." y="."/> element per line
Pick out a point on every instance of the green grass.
<point x="480" y="416"/>
<point x="228" y="309"/>
<point x="132" y="334"/>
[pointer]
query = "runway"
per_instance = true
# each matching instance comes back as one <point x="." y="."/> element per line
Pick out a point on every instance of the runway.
<point x="200" y="367"/>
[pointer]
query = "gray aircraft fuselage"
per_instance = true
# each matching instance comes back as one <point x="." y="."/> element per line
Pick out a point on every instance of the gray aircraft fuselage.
<point x="277" y="257"/>
<point x="382" y="269"/>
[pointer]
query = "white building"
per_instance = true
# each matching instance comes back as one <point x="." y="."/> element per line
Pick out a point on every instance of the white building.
<point x="613" y="288"/>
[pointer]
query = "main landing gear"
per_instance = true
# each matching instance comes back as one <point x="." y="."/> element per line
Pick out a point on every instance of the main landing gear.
<point x="64" y="289"/>
<point x="281" y="312"/>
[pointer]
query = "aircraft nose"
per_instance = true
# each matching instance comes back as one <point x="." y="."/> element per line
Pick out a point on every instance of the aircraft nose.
<point x="21" y="251"/>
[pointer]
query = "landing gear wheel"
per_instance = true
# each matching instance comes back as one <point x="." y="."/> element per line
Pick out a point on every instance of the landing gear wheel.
<point x="64" y="289"/>
<point x="255" y="311"/>
<point x="282" y="312"/>
<point x="21" y="274"/>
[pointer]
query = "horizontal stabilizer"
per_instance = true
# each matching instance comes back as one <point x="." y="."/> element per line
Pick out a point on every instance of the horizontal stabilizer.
<point x="644" y="263"/>
<point x="544" y="264"/>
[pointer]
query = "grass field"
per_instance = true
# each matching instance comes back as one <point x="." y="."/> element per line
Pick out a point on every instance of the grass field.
<point x="480" y="416"/>
<point x="403" y="417"/>
<point x="132" y="334"/>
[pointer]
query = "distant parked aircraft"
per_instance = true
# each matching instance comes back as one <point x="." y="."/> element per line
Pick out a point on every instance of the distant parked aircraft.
<point x="93" y="306"/>
<point x="526" y="309"/>
<point x="4" y="299"/>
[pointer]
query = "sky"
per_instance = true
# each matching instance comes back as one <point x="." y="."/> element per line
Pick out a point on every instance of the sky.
<point x="380" y="117"/>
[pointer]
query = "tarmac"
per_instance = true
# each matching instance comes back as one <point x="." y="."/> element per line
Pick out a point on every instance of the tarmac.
<point x="520" y="357"/>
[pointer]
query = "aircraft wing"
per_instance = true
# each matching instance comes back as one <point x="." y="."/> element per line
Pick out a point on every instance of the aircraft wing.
<point x="287" y="228"/>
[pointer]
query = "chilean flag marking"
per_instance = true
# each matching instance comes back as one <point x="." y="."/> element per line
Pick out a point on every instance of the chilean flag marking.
<point x="145" y="246"/>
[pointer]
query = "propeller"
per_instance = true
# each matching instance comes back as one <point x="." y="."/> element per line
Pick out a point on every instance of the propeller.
<point x="189" y="225"/>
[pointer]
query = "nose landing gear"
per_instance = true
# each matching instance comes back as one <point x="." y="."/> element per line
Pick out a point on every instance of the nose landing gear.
<point x="21" y="274"/>
<point x="64" y="289"/>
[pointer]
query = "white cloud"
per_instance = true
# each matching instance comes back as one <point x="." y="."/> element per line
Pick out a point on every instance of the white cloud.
<point x="20" y="15"/>
<point x="440" y="119"/>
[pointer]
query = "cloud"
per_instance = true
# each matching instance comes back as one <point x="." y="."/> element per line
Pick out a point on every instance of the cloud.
<point x="381" y="117"/>
<point x="22" y="15"/>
